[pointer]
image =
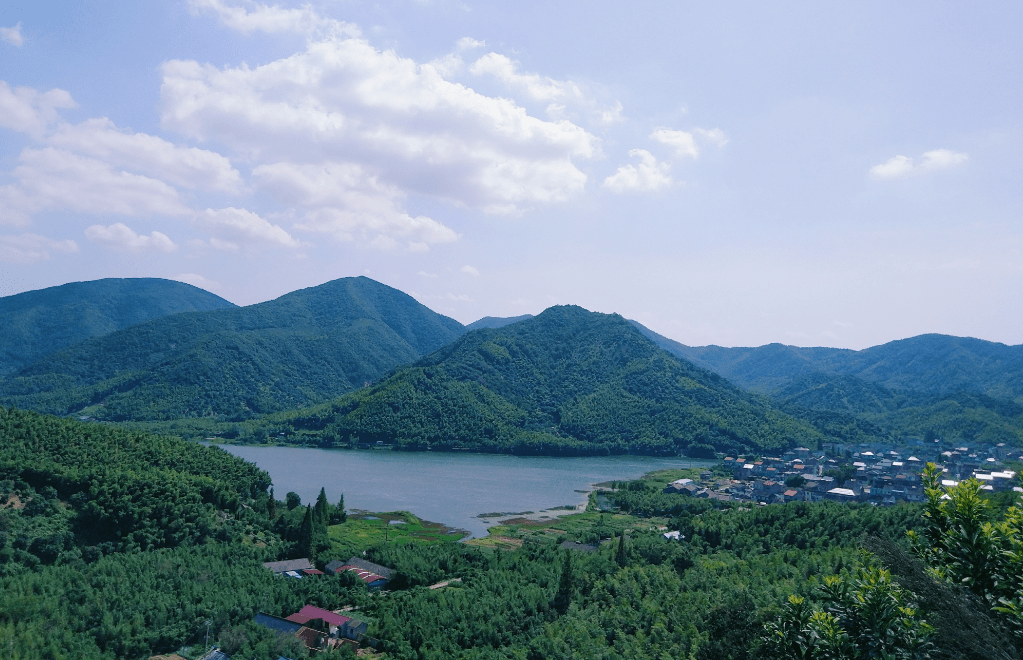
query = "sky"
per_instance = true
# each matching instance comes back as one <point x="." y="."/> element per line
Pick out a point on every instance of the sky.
<point x="734" y="173"/>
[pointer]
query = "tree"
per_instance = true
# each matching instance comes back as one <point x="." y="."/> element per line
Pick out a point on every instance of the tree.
<point x="338" y="515"/>
<point x="293" y="501"/>
<point x="563" y="598"/>
<point x="796" y="481"/>
<point x="322" y="507"/>
<point x="306" y="534"/>
<point x="863" y="616"/>
<point x="965" y="546"/>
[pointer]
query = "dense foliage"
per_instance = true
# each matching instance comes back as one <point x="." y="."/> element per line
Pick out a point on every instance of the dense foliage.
<point x="37" y="323"/>
<point x="567" y="381"/>
<point x="959" y="389"/>
<point x="302" y="348"/>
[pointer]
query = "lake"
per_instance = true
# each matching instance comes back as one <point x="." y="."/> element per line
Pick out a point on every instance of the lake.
<point x="452" y="489"/>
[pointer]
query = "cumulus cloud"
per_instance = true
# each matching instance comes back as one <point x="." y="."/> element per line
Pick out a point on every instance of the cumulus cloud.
<point x="468" y="43"/>
<point x="265" y="18"/>
<point x="537" y="87"/>
<point x="188" y="167"/>
<point x="469" y="270"/>
<point x="123" y="238"/>
<point x="684" y="142"/>
<point x="29" y="248"/>
<point x="650" y="175"/>
<point x="54" y="179"/>
<point x="30" y="111"/>
<point x="231" y="227"/>
<point x="344" y="200"/>
<point x="12" y="35"/>
<point x="713" y="135"/>
<point x="341" y="100"/>
<point x="681" y="141"/>
<point x="423" y="273"/>
<point x="901" y="166"/>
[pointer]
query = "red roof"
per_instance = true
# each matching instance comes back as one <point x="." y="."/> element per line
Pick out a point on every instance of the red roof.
<point x="368" y="577"/>
<point x="312" y="571"/>
<point x="328" y="617"/>
<point x="789" y="493"/>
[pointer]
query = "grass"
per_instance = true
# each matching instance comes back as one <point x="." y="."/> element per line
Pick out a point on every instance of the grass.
<point x="363" y="530"/>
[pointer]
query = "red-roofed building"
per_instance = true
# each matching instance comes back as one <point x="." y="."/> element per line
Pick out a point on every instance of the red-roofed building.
<point x="372" y="580"/>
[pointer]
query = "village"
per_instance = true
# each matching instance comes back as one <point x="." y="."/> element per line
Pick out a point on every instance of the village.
<point x="877" y="474"/>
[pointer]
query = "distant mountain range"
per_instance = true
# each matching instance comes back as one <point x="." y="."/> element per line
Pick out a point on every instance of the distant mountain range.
<point x="565" y="381"/>
<point x="37" y="323"/>
<point x="305" y="347"/>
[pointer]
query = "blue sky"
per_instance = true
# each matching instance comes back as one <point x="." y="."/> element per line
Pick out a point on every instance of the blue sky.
<point x="736" y="173"/>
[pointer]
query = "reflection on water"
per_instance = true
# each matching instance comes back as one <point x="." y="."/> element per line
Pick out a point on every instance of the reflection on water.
<point x="452" y="489"/>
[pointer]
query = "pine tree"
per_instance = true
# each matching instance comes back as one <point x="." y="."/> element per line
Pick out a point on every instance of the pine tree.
<point x="564" y="596"/>
<point x="306" y="534"/>
<point x="322" y="506"/>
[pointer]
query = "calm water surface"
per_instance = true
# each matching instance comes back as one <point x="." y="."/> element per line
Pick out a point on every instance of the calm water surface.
<point x="452" y="489"/>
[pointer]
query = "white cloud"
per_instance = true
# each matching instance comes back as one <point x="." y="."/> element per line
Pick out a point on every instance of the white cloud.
<point x="402" y="124"/>
<point x="29" y="248"/>
<point x="12" y="35"/>
<point x="684" y="142"/>
<point x="681" y="141"/>
<point x="613" y="115"/>
<point x="198" y="280"/>
<point x="184" y="166"/>
<point x="537" y="87"/>
<point x="894" y="167"/>
<point x="54" y="179"/>
<point x="648" y="176"/>
<point x="941" y="158"/>
<point x="265" y="18"/>
<point x="713" y="135"/>
<point x="232" y="226"/>
<point x="341" y="199"/>
<point x="468" y="43"/>
<point x="119" y="236"/>
<point x="900" y="166"/>
<point x="469" y="270"/>
<point x="29" y="111"/>
<point x="423" y="273"/>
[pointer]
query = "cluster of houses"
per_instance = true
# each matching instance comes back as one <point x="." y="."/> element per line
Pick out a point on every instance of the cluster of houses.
<point x="879" y="475"/>
<point x="317" y="628"/>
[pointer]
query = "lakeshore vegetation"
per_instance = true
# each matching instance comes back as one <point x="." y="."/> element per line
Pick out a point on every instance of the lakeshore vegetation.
<point x="115" y="544"/>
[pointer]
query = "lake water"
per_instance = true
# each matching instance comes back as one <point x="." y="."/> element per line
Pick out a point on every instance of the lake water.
<point x="452" y="489"/>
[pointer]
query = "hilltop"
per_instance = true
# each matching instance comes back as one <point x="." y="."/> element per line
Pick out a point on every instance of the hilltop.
<point x="38" y="323"/>
<point x="305" y="347"/>
<point x="566" y="381"/>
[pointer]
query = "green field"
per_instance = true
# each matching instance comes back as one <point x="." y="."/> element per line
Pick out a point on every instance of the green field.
<point x="363" y="530"/>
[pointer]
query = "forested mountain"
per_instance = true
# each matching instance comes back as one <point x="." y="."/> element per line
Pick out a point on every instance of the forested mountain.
<point x="958" y="388"/>
<point x="565" y="381"/>
<point x="928" y="364"/>
<point x="37" y="323"/>
<point x="305" y="347"/>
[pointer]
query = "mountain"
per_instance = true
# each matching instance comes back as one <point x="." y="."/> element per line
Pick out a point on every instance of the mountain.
<point x="566" y="381"/>
<point x="37" y="323"/>
<point x="496" y="321"/>
<point x="958" y="388"/>
<point x="305" y="347"/>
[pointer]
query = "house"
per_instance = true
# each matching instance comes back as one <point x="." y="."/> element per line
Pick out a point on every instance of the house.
<point x="359" y="562"/>
<point x="678" y="486"/>
<point x="289" y="565"/>
<point x="372" y="580"/>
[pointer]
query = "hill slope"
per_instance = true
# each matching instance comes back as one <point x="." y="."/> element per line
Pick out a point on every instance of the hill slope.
<point x="37" y="323"/>
<point x="957" y="388"/>
<point x="305" y="347"/>
<point x="566" y="381"/>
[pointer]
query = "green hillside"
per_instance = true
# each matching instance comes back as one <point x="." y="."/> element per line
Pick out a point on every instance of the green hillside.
<point x="957" y="388"/>
<point x="306" y="347"/>
<point x="496" y="321"/>
<point x="38" y="323"/>
<point x="567" y="381"/>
